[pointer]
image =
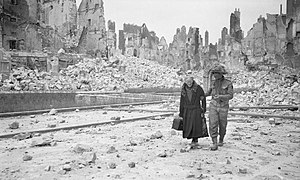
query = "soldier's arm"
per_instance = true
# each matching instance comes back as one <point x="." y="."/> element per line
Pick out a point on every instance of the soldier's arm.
<point x="229" y="94"/>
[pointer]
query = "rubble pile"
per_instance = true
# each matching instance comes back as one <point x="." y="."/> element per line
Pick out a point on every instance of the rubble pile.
<point x="117" y="74"/>
<point x="269" y="87"/>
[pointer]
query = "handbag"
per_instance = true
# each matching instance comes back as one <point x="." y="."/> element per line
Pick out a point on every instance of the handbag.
<point x="177" y="123"/>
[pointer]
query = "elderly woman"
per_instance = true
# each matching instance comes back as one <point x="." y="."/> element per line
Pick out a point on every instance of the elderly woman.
<point x="192" y="109"/>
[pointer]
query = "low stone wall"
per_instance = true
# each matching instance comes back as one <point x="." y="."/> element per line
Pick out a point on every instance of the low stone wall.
<point x="26" y="101"/>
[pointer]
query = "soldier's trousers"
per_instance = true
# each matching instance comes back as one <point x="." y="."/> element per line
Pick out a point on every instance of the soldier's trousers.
<point x="217" y="120"/>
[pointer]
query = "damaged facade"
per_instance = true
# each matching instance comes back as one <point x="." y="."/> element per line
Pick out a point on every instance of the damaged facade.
<point x="276" y="36"/>
<point x="91" y="25"/>
<point x="138" y="41"/>
<point x="36" y="25"/>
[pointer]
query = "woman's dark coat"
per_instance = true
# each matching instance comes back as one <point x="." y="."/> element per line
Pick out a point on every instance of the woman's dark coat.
<point x="193" y="111"/>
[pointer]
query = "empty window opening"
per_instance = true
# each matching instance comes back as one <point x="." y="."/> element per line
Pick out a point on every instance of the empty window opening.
<point x="12" y="44"/>
<point x="14" y="2"/>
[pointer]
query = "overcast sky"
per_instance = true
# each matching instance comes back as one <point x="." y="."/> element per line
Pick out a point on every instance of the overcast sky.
<point x="164" y="16"/>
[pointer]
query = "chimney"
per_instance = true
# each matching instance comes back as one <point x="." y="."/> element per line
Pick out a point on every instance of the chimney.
<point x="280" y="9"/>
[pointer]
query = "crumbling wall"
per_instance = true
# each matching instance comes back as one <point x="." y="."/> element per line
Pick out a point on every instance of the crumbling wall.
<point x="91" y="17"/>
<point x="60" y="15"/>
<point x="235" y="27"/>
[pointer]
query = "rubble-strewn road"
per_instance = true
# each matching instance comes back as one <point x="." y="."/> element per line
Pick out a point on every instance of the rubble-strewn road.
<point x="150" y="149"/>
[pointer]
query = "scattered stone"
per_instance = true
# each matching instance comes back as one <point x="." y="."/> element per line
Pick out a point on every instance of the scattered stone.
<point x="53" y="112"/>
<point x="271" y="120"/>
<point x="158" y="117"/>
<point x="51" y="125"/>
<point x="115" y="118"/>
<point x="113" y="137"/>
<point x="77" y="110"/>
<point x="14" y="125"/>
<point x="271" y="141"/>
<point x="228" y="162"/>
<point x="47" y="168"/>
<point x="62" y="172"/>
<point x="104" y="112"/>
<point x="22" y="136"/>
<point x="62" y="121"/>
<point x="295" y="140"/>
<point x="131" y="165"/>
<point x="133" y="143"/>
<point x="263" y="133"/>
<point x="111" y="150"/>
<point x="277" y="153"/>
<point x="53" y="143"/>
<point x="112" y="165"/>
<point x="67" y="167"/>
<point x="41" y="142"/>
<point x="129" y="149"/>
<point x="163" y="154"/>
<point x="173" y="132"/>
<point x="157" y="135"/>
<point x="80" y="166"/>
<point x="191" y="176"/>
<point x="237" y="138"/>
<point x="32" y="116"/>
<point x="80" y="148"/>
<point x="27" y="157"/>
<point x="243" y="171"/>
<point x="90" y="157"/>
<point x="248" y="137"/>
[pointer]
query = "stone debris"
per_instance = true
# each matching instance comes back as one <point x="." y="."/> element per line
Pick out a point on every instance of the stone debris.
<point x="115" y="118"/>
<point x="131" y="164"/>
<point x="51" y="125"/>
<point x="163" y="154"/>
<point x="80" y="148"/>
<point x="280" y="87"/>
<point x="156" y="135"/>
<point x="14" y="125"/>
<point x="53" y="112"/>
<point x="173" y="132"/>
<point x="27" y="157"/>
<point x="22" y="136"/>
<point x="67" y="167"/>
<point x="111" y="150"/>
<point x="32" y="116"/>
<point x="92" y="75"/>
<point x="112" y="165"/>
<point x="62" y="172"/>
<point x="90" y="157"/>
<point x="47" y="168"/>
<point x="243" y="171"/>
<point x="41" y="141"/>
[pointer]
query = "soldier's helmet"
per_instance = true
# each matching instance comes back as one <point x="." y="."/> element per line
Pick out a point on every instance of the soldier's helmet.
<point x="219" y="69"/>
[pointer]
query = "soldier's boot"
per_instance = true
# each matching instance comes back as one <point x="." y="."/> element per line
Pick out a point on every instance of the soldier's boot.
<point x="221" y="141"/>
<point x="214" y="147"/>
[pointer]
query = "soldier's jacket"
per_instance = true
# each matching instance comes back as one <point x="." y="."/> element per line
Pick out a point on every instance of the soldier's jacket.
<point x="221" y="87"/>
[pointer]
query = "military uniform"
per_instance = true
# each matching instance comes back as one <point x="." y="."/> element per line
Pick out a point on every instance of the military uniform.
<point x="221" y="91"/>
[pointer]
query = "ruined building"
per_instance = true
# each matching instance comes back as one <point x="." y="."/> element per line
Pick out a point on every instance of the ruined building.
<point x="235" y="30"/>
<point x="91" y="25"/>
<point x="138" y="41"/>
<point x="186" y="50"/>
<point x="29" y="25"/>
<point x="206" y="38"/>
<point x="277" y="36"/>
<point x="111" y="37"/>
